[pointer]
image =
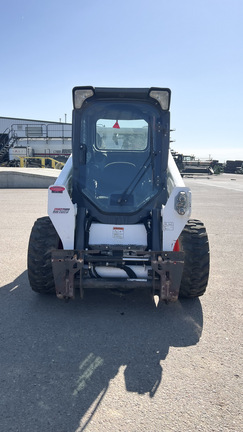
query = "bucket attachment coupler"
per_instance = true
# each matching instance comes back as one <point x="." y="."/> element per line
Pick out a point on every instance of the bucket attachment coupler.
<point x="65" y="265"/>
<point x="164" y="278"/>
<point x="167" y="270"/>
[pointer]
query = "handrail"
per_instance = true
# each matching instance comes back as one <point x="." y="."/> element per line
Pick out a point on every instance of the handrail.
<point x="5" y="132"/>
<point x="41" y="130"/>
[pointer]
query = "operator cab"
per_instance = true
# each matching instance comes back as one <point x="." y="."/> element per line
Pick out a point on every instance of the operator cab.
<point x="120" y="151"/>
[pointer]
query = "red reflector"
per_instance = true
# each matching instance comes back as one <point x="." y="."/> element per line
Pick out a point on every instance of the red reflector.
<point x="57" y="189"/>
<point x="116" y="125"/>
<point x="177" y="246"/>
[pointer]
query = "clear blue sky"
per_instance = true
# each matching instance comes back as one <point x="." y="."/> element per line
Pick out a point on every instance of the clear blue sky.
<point x="194" y="47"/>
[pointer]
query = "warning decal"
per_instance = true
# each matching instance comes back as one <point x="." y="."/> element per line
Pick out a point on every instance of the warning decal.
<point x="168" y="226"/>
<point x="118" y="232"/>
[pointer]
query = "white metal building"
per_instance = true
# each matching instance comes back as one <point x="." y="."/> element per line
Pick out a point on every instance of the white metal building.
<point x="25" y="137"/>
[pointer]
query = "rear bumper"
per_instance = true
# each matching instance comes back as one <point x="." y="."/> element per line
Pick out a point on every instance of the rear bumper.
<point x="71" y="270"/>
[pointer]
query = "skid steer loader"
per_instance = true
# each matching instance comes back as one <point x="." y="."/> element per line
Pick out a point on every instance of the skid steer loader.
<point x="119" y="210"/>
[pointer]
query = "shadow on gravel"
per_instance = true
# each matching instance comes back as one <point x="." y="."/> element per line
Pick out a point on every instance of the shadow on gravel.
<point x="57" y="358"/>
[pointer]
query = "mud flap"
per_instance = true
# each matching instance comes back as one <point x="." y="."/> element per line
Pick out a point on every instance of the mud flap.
<point x="167" y="274"/>
<point x="65" y="265"/>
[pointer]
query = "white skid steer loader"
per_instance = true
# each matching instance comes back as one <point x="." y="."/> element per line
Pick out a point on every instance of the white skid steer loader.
<point x="119" y="210"/>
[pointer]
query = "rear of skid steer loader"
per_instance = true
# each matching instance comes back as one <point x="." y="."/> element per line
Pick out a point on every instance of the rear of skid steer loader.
<point x="118" y="212"/>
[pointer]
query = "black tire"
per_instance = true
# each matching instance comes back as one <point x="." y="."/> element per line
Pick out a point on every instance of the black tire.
<point x="43" y="239"/>
<point x="194" y="242"/>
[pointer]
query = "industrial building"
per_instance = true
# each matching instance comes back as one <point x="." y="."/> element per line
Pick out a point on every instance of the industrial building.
<point x="33" y="138"/>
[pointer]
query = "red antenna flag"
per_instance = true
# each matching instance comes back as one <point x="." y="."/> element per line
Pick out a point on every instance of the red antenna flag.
<point x="116" y="125"/>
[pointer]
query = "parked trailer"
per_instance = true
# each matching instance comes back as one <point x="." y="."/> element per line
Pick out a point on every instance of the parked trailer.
<point x="38" y="147"/>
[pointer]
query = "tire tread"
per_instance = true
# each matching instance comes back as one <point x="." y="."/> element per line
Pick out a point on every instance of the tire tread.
<point x="43" y="239"/>
<point x="194" y="242"/>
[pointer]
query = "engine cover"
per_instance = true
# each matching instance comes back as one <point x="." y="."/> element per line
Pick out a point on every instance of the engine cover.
<point x="117" y="235"/>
